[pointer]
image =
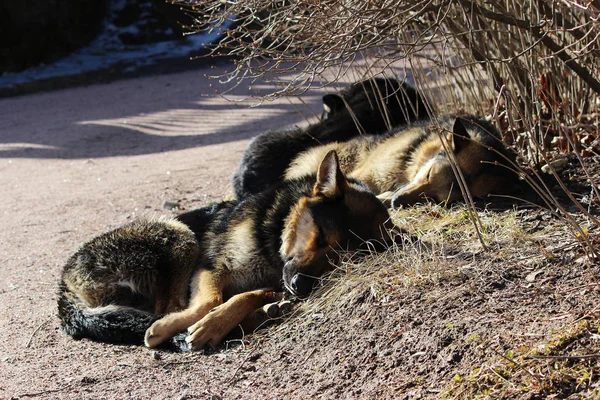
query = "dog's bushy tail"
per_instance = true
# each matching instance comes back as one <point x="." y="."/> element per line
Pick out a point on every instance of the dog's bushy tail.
<point x="110" y="324"/>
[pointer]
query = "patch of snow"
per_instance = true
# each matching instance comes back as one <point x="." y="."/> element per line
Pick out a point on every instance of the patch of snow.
<point x="108" y="50"/>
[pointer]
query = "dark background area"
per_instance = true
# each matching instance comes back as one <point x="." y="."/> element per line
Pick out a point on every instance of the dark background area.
<point x="34" y="32"/>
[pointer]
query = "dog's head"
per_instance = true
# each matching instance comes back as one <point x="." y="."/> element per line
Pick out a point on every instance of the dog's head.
<point x="376" y="100"/>
<point x="339" y="215"/>
<point x="435" y="178"/>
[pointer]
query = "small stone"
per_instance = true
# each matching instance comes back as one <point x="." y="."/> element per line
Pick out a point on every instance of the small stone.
<point x="532" y="275"/>
<point x="171" y="205"/>
<point x="156" y="355"/>
<point x="558" y="165"/>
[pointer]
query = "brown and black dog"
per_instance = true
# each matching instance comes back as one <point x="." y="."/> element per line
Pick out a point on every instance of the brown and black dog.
<point x="207" y="270"/>
<point x="416" y="162"/>
<point x="373" y="106"/>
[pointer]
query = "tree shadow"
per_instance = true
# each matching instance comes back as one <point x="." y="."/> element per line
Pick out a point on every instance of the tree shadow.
<point x="72" y="125"/>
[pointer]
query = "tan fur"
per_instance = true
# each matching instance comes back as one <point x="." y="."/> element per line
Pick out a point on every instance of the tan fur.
<point x="241" y="245"/>
<point x="221" y="320"/>
<point x="308" y="162"/>
<point x="207" y="288"/>
<point x="385" y="167"/>
<point x="297" y="227"/>
<point x="241" y="249"/>
<point x="83" y="294"/>
<point x="173" y="223"/>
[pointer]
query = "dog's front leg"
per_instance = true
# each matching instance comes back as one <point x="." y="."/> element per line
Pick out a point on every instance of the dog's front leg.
<point x="207" y="293"/>
<point x="221" y="320"/>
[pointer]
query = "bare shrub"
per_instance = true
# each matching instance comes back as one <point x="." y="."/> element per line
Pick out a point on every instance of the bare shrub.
<point x="541" y="57"/>
<point x="532" y="68"/>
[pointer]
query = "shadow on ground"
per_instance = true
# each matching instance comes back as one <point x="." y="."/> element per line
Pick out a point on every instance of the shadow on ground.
<point x="133" y="126"/>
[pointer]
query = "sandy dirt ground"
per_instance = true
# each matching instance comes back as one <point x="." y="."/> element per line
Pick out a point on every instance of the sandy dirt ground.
<point x="77" y="162"/>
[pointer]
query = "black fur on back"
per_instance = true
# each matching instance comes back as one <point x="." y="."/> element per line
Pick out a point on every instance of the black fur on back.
<point x="268" y="155"/>
<point x="201" y="220"/>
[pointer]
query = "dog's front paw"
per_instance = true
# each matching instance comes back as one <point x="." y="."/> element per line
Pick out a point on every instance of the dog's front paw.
<point x="157" y="333"/>
<point x="209" y="330"/>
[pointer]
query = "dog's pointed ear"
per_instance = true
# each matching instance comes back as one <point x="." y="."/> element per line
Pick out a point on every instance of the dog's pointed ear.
<point x="332" y="104"/>
<point x="331" y="182"/>
<point x="459" y="138"/>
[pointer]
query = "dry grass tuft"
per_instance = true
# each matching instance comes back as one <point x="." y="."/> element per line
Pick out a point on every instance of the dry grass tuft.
<point x="447" y="245"/>
<point x="538" y="308"/>
<point x="556" y="366"/>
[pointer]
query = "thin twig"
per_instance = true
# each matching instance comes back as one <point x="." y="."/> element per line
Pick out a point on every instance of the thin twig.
<point x="585" y="356"/>
<point x="308" y="356"/>
<point x="35" y="331"/>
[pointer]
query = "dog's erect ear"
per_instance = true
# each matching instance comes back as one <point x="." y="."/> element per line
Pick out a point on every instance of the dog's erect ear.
<point x="460" y="138"/>
<point x="332" y="104"/>
<point x="331" y="182"/>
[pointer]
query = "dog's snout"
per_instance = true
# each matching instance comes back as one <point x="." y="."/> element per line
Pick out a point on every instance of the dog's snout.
<point x="302" y="284"/>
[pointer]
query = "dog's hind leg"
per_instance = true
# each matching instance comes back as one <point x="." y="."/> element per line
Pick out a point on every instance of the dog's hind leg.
<point x="206" y="293"/>
<point x="173" y="295"/>
<point x="223" y="319"/>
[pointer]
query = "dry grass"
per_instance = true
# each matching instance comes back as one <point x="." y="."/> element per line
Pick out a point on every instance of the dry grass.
<point x="531" y="69"/>
<point x="556" y="366"/>
<point x="447" y="245"/>
<point x="531" y="350"/>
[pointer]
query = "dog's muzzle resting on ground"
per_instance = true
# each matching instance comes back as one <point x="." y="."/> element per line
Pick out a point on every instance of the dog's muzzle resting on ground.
<point x="209" y="269"/>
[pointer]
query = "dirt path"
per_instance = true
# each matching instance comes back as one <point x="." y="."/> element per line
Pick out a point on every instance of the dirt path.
<point x="76" y="162"/>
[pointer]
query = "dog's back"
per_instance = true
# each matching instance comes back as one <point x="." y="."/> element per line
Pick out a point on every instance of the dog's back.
<point x="373" y="106"/>
<point x="412" y="162"/>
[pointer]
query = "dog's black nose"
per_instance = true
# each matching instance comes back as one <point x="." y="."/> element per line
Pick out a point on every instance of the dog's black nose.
<point x="302" y="284"/>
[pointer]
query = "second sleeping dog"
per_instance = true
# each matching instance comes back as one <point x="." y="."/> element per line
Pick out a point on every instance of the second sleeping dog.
<point x="210" y="268"/>
<point x="372" y="106"/>
<point x="417" y="162"/>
